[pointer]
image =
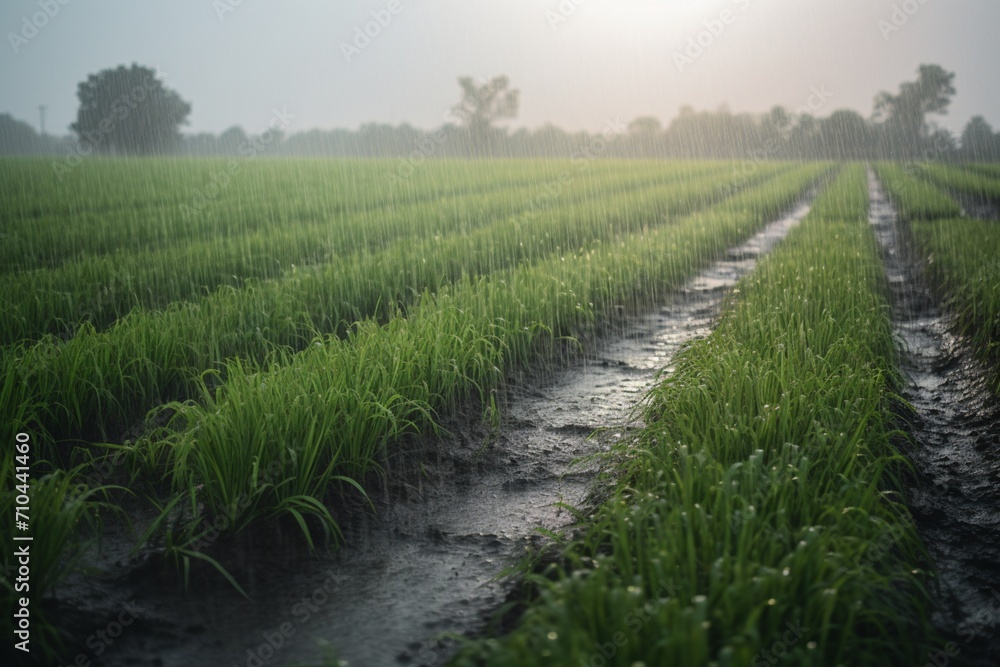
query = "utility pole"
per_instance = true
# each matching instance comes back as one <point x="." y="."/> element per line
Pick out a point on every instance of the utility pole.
<point x="41" y="118"/>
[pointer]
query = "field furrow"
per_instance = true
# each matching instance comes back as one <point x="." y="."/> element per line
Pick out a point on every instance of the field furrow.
<point x="97" y="385"/>
<point x="752" y="510"/>
<point x="327" y="415"/>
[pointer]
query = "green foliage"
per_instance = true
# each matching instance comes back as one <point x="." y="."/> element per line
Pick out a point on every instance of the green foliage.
<point x="169" y="241"/>
<point x="333" y="409"/>
<point x="963" y="180"/>
<point x="98" y="384"/>
<point x="63" y="516"/>
<point x="915" y="198"/>
<point x="963" y="263"/>
<point x="754" y="519"/>
<point x="128" y="111"/>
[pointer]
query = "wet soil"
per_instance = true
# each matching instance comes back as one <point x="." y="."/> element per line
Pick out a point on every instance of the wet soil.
<point x="426" y="563"/>
<point x="975" y="206"/>
<point x="955" y="433"/>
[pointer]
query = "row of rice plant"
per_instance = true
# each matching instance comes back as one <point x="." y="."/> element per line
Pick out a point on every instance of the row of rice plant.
<point x="988" y="169"/>
<point x="915" y="198"/>
<point x="961" y="180"/>
<point x="96" y="385"/>
<point x="63" y="519"/>
<point x="118" y="205"/>
<point x="755" y="519"/>
<point x="101" y="289"/>
<point x="963" y="264"/>
<point x="324" y="418"/>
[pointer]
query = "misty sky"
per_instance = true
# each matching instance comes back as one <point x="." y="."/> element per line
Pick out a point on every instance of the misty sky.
<point x="607" y="59"/>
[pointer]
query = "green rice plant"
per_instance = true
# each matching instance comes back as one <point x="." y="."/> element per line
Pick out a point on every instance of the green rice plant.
<point x="962" y="180"/>
<point x="756" y="518"/>
<point x="100" y="288"/>
<point x="63" y="517"/>
<point x="328" y="414"/>
<point x="845" y="199"/>
<point x="98" y="384"/>
<point x="963" y="264"/>
<point x="147" y="204"/>
<point x="990" y="170"/>
<point x="914" y="198"/>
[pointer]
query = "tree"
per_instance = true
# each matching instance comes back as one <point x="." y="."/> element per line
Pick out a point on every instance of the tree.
<point x="645" y="126"/>
<point x="232" y="140"/>
<point x="17" y="137"/>
<point x="127" y="110"/>
<point x="483" y="105"/>
<point x="979" y="144"/>
<point x="644" y="134"/>
<point x="844" y="136"/>
<point x="20" y="138"/>
<point x="905" y="114"/>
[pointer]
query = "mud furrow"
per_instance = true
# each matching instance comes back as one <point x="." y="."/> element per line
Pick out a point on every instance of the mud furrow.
<point x="426" y="565"/>
<point x="955" y="431"/>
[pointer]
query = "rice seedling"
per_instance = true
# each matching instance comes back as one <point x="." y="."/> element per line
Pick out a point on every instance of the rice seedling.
<point x="962" y="180"/>
<point x="115" y="206"/>
<point x="98" y="384"/>
<point x="63" y="517"/>
<point x="99" y="289"/>
<point x="963" y="264"/>
<point x="325" y="416"/>
<point x="755" y="518"/>
<point x="989" y="170"/>
<point x="915" y="199"/>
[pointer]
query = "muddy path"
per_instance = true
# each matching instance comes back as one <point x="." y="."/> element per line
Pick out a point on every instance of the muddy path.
<point x="955" y="429"/>
<point x="426" y="563"/>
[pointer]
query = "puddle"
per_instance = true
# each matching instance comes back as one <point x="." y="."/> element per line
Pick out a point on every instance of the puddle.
<point x="426" y="564"/>
<point x="955" y="498"/>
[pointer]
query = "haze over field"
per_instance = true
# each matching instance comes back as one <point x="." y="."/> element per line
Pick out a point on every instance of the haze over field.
<point x="484" y="333"/>
<point x="576" y="62"/>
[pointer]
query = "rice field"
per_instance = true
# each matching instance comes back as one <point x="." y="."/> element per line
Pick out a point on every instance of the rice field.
<point x="200" y="359"/>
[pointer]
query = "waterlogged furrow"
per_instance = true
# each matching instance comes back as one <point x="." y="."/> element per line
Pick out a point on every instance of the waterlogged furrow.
<point x="105" y="382"/>
<point x="753" y="520"/>
<point x="952" y="422"/>
<point x="328" y="414"/>
<point x="963" y="264"/>
<point x="915" y="198"/>
<point x="102" y="289"/>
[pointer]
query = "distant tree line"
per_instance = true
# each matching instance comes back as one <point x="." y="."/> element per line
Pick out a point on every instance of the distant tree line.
<point x="126" y="111"/>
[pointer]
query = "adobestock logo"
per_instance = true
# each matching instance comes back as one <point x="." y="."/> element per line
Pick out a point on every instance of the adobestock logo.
<point x="363" y="35"/>
<point x="31" y="26"/>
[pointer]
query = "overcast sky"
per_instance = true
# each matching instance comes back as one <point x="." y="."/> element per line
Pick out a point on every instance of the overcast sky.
<point x="595" y="60"/>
